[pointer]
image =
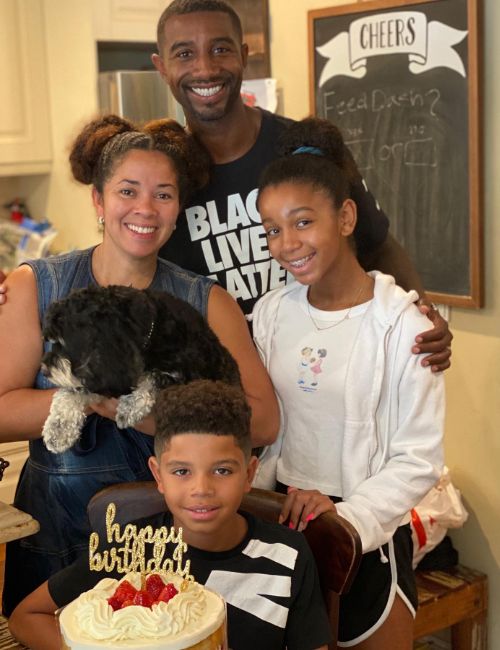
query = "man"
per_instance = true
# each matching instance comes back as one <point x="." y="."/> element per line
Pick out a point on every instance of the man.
<point x="202" y="58"/>
<point x="219" y="233"/>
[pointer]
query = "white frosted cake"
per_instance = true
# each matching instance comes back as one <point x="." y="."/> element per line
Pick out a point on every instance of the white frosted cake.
<point x="163" y="612"/>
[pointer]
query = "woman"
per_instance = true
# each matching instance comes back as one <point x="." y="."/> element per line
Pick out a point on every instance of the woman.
<point x="362" y="422"/>
<point x="139" y="179"/>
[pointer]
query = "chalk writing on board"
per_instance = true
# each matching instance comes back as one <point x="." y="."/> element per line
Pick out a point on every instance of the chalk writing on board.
<point x="397" y="79"/>
<point x="428" y="44"/>
<point x="412" y="152"/>
<point x="378" y="100"/>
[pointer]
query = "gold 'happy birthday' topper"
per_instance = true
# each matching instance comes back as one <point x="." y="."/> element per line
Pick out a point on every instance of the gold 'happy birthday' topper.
<point x="131" y="556"/>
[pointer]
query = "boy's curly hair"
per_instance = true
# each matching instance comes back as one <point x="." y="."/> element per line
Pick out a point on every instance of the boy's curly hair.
<point x="202" y="406"/>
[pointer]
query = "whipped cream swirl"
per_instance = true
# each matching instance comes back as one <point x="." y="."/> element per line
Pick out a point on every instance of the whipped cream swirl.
<point x="96" y="619"/>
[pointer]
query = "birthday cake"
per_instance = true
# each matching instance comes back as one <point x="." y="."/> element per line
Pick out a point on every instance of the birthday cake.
<point x="157" y="605"/>
<point x="162" y="611"/>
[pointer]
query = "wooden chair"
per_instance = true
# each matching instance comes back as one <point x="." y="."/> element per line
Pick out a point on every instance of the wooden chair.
<point x="335" y="544"/>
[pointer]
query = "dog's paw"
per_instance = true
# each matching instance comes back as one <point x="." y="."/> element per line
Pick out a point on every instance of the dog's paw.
<point x="132" y="409"/>
<point x="65" y="420"/>
<point x="60" y="434"/>
<point x="135" y="406"/>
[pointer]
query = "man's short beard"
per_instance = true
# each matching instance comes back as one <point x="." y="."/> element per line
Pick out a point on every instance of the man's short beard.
<point x="213" y="115"/>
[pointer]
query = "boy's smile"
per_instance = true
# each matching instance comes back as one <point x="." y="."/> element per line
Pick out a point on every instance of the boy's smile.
<point x="203" y="478"/>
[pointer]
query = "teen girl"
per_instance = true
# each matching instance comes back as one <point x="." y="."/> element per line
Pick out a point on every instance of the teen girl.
<point x="368" y="435"/>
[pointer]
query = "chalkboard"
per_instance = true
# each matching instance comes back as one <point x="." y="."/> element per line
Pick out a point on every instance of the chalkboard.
<point x="400" y="79"/>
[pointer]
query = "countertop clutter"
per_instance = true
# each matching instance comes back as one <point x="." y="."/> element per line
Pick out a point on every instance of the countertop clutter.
<point x="22" y="237"/>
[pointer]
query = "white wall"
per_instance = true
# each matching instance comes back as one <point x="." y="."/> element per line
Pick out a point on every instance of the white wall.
<point x="473" y="383"/>
<point x="72" y="63"/>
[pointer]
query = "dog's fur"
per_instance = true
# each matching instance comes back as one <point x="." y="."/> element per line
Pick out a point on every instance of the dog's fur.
<point x="122" y="342"/>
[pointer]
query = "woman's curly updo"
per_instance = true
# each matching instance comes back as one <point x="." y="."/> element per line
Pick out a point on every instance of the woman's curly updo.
<point x="312" y="151"/>
<point x="103" y="143"/>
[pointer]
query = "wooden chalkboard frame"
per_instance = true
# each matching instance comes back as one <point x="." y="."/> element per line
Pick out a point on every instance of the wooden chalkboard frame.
<point x="474" y="298"/>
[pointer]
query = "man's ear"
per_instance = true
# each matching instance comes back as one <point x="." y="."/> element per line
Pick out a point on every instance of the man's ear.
<point x="155" y="471"/>
<point x="158" y="64"/>
<point x="348" y="217"/>
<point x="253" y="463"/>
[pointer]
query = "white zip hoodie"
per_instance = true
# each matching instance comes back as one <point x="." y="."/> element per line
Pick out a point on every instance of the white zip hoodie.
<point x="394" y="411"/>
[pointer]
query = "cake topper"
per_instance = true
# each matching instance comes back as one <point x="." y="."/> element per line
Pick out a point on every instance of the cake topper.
<point x="131" y="555"/>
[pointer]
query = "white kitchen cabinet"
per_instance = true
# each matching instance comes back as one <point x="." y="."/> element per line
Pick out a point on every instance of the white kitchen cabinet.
<point x="16" y="453"/>
<point x="126" y="20"/>
<point x="25" y="142"/>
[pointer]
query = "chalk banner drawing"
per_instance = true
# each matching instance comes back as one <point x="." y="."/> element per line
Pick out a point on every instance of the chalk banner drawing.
<point x="429" y="44"/>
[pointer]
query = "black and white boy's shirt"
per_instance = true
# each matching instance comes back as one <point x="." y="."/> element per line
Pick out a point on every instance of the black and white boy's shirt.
<point x="269" y="582"/>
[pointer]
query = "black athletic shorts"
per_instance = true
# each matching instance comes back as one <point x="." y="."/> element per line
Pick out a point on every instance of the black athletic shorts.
<point x="368" y="603"/>
<point x="381" y="574"/>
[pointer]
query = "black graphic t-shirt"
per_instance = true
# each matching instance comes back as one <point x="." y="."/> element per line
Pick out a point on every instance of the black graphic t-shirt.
<point x="219" y="234"/>
<point x="269" y="582"/>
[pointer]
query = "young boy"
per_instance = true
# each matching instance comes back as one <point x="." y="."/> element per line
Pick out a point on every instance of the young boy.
<point x="203" y="467"/>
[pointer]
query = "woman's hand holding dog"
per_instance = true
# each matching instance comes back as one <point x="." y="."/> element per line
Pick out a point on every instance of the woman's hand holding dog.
<point x="107" y="407"/>
<point x="302" y="506"/>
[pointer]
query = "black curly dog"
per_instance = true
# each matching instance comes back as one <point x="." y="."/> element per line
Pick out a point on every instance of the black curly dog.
<point x="122" y="342"/>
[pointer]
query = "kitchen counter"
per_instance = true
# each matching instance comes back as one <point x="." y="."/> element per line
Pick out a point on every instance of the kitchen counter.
<point x="15" y="524"/>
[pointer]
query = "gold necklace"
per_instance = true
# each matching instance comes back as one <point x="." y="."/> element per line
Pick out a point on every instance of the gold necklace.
<point x="345" y="317"/>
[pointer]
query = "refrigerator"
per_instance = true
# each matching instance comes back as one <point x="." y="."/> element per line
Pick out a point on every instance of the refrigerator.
<point x="137" y="95"/>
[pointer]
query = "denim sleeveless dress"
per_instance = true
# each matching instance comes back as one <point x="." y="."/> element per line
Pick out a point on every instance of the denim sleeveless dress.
<point x="56" y="488"/>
